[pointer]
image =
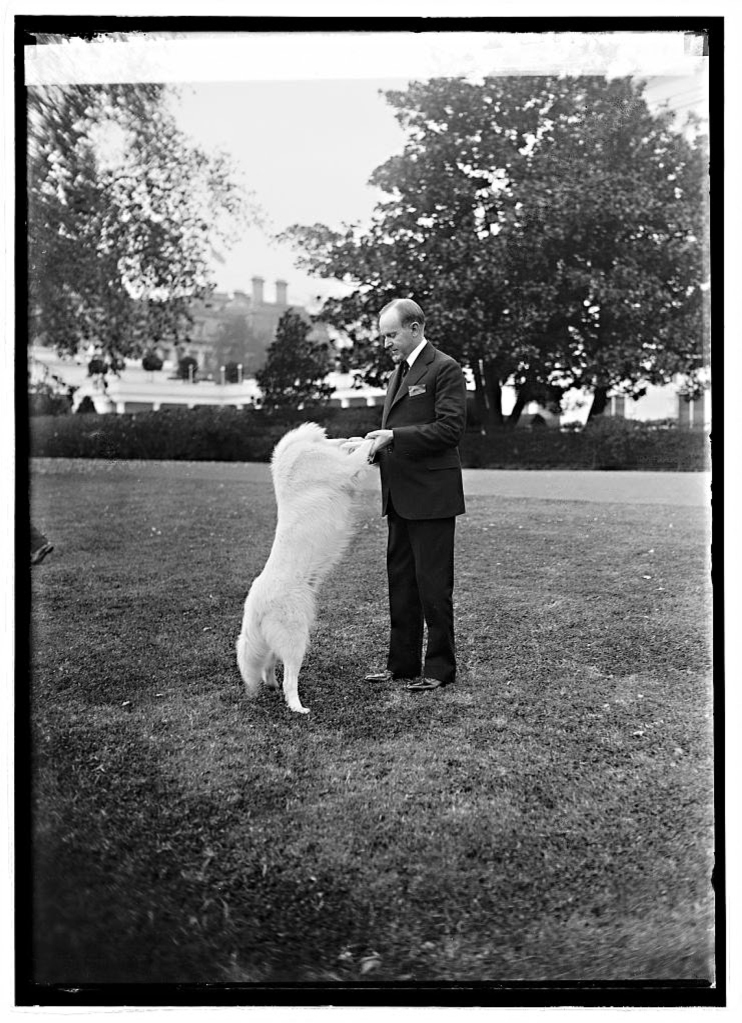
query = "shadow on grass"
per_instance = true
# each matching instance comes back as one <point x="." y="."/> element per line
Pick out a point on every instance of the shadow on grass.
<point x="547" y="817"/>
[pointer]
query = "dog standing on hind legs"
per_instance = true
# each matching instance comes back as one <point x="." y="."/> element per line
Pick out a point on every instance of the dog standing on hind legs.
<point x="315" y="480"/>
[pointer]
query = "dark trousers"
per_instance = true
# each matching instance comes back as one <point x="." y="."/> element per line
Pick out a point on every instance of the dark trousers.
<point x="420" y="570"/>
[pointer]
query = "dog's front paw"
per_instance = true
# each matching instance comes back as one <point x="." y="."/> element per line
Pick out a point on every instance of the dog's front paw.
<point x="298" y="709"/>
<point x="351" y="444"/>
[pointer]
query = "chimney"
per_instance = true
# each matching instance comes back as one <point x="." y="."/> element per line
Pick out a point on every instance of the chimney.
<point x="281" y="298"/>
<point x="257" y="290"/>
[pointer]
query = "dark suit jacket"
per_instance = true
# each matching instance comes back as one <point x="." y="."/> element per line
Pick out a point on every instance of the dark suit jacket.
<point x="421" y="469"/>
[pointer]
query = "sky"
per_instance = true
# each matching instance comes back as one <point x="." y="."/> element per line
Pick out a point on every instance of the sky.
<point x="304" y="120"/>
<point x="307" y="150"/>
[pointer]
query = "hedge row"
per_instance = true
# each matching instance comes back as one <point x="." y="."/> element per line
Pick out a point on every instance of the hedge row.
<point x="605" y="444"/>
<point x="205" y="433"/>
<point x="212" y="433"/>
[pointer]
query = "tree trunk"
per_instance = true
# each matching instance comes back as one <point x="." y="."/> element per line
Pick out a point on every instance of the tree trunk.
<point x="493" y="396"/>
<point x="480" y="399"/>
<point x="525" y="393"/>
<point x="600" y="400"/>
<point x="487" y="395"/>
<point x="521" y="401"/>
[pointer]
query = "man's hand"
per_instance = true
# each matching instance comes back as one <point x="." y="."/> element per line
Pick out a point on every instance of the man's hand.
<point x="381" y="439"/>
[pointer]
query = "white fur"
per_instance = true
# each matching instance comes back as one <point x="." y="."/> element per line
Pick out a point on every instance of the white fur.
<point x="315" y="480"/>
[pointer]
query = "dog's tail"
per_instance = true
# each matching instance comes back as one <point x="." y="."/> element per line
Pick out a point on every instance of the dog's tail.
<point x="243" y="659"/>
<point x="251" y="650"/>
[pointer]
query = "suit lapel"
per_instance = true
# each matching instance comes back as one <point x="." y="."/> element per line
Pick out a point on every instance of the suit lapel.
<point x="414" y="375"/>
<point x="416" y="372"/>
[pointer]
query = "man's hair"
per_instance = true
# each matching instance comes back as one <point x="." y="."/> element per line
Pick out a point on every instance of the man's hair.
<point x="407" y="310"/>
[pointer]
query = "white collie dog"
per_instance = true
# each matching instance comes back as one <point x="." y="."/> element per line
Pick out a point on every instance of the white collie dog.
<point x="315" y="480"/>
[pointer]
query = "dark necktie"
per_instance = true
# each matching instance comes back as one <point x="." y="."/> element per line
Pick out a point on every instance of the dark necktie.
<point x="401" y="374"/>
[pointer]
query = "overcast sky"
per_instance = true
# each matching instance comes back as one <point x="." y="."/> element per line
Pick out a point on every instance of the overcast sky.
<point x="307" y="150"/>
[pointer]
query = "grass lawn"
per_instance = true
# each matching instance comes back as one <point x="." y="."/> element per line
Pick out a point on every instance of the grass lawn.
<point x="547" y="818"/>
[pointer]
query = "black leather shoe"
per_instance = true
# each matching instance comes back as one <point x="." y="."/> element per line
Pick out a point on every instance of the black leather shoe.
<point x="420" y="685"/>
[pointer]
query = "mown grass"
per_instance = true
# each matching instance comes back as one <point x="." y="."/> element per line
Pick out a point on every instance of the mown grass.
<point x="547" y="818"/>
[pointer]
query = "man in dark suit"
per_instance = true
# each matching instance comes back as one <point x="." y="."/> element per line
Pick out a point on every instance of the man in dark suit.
<point x="422" y="493"/>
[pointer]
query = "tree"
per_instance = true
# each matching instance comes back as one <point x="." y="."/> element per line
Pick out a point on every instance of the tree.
<point x="551" y="228"/>
<point x="295" y="368"/>
<point x="122" y="211"/>
<point x="231" y="344"/>
<point x="97" y="367"/>
<point x="48" y="394"/>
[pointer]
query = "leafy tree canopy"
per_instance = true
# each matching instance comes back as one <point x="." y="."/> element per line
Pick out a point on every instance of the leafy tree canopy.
<point x="553" y="229"/>
<point x="123" y="210"/>
<point x="295" y="368"/>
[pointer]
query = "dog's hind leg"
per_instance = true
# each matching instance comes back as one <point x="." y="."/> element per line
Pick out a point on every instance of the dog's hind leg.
<point x="286" y="632"/>
<point x="269" y="673"/>
<point x="291" y="669"/>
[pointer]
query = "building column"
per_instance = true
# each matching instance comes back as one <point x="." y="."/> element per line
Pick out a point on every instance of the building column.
<point x="684" y="412"/>
<point x="700" y="408"/>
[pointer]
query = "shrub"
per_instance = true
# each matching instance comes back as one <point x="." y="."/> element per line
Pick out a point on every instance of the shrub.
<point x="152" y="362"/>
<point x="86" y="406"/>
<point x="49" y="403"/>
<point x="97" y="367"/>
<point x="603" y="444"/>
<point x="224" y="433"/>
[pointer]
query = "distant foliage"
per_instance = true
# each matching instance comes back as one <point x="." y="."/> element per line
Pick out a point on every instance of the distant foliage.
<point x="295" y="368"/>
<point x="48" y="393"/>
<point x="97" y="367"/>
<point x="49" y="403"/>
<point x="234" y="345"/>
<point x="123" y="212"/>
<point x="152" y="362"/>
<point x="86" y="406"/>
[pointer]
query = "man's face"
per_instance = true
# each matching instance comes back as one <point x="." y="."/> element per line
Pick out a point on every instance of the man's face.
<point x="399" y="341"/>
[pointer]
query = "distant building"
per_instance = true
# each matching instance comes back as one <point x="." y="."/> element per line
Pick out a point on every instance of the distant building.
<point x="236" y="328"/>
